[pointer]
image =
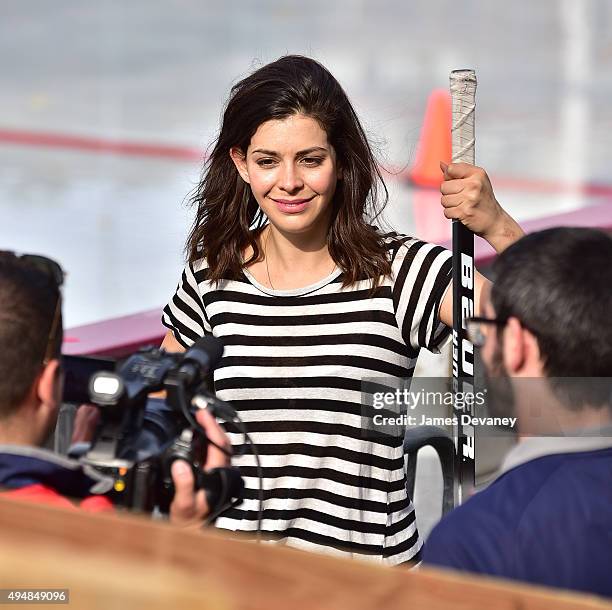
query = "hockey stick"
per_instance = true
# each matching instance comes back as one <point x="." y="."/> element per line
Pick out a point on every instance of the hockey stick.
<point x="463" y="94"/>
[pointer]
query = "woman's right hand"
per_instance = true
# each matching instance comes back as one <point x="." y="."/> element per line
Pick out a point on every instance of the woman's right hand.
<point x="467" y="196"/>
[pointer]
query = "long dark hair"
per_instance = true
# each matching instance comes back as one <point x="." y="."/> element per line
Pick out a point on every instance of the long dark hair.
<point x="228" y="218"/>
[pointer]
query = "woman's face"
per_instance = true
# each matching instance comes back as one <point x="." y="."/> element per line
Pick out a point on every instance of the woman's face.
<point x="292" y="171"/>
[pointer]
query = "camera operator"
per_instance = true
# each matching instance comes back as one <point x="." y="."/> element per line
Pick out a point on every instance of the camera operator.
<point x="31" y="388"/>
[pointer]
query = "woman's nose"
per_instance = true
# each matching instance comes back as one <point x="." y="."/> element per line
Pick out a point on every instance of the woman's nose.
<point x="290" y="179"/>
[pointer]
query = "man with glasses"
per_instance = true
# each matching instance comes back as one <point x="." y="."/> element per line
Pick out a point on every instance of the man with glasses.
<point x="546" y="344"/>
<point x="31" y="387"/>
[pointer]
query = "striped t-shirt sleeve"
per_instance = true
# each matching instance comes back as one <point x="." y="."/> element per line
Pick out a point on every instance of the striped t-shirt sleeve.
<point x="184" y="314"/>
<point x="422" y="273"/>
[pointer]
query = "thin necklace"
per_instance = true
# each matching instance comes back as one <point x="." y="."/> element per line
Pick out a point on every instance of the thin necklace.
<point x="265" y="249"/>
<point x="266" y="259"/>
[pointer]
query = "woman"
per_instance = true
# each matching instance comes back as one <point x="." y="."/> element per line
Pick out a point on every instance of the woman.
<point x="310" y="299"/>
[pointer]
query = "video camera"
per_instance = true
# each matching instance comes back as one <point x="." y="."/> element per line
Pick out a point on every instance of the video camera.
<point x="138" y="438"/>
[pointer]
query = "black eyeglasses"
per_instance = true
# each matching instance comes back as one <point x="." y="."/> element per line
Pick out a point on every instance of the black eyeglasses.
<point x="475" y="332"/>
<point x="56" y="274"/>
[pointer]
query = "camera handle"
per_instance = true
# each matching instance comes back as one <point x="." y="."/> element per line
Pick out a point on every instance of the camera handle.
<point x="223" y="488"/>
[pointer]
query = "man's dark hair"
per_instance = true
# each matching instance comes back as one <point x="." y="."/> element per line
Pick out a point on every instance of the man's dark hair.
<point x="558" y="283"/>
<point x="28" y="301"/>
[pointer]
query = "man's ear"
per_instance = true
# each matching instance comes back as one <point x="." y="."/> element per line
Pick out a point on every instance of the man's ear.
<point x="51" y="385"/>
<point x="513" y="346"/>
<point x="239" y="160"/>
<point x="521" y="350"/>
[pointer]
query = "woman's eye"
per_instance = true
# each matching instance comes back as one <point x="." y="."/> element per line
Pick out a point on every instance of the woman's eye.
<point x="312" y="161"/>
<point x="265" y="162"/>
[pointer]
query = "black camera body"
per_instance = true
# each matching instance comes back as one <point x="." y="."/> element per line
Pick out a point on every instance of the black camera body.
<point x="138" y="438"/>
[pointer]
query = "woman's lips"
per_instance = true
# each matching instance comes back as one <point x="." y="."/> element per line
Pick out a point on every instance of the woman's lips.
<point x="292" y="206"/>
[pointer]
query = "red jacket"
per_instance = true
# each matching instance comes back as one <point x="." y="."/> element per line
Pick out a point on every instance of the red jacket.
<point x="40" y="476"/>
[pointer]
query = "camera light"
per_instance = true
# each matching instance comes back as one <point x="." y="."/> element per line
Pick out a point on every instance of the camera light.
<point x="105" y="388"/>
<point x="106" y="385"/>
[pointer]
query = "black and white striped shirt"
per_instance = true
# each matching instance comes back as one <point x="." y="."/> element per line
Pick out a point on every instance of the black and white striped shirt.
<point x="293" y="365"/>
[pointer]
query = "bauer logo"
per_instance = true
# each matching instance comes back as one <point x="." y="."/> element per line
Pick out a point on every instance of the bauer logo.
<point x="467" y="311"/>
<point x="464" y="357"/>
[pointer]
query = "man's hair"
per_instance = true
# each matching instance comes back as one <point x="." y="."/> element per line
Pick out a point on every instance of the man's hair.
<point x="558" y="283"/>
<point x="28" y="300"/>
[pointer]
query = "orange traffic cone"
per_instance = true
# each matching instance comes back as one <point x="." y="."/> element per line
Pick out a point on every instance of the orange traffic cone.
<point x="434" y="141"/>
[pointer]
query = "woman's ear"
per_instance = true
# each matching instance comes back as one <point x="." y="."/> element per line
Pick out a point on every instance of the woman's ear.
<point x="239" y="160"/>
